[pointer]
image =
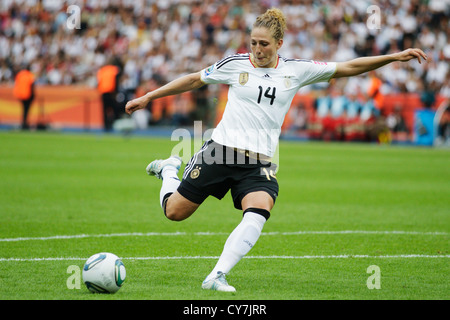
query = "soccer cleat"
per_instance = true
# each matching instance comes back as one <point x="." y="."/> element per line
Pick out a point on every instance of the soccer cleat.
<point x="156" y="167"/>
<point x="219" y="283"/>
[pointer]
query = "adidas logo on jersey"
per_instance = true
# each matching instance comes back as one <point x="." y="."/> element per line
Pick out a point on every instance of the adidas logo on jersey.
<point x="267" y="76"/>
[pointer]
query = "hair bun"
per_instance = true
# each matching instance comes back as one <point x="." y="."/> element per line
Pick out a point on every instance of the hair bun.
<point x="274" y="20"/>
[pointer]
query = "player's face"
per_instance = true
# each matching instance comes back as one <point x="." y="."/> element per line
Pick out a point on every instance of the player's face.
<point x="264" y="47"/>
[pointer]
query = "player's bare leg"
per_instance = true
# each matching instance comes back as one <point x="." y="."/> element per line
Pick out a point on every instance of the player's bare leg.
<point x="178" y="208"/>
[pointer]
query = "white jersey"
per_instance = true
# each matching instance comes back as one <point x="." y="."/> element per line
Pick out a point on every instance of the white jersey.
<point x="259" y="98"/>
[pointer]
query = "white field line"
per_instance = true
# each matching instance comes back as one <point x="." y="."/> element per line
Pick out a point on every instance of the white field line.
<point x="171" y="234"/>
<point x="344" y="256"/>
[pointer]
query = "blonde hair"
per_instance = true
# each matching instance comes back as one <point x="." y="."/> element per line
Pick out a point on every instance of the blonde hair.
<point x="274" y="20"/>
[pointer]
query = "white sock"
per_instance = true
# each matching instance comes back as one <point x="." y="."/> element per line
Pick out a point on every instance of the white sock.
<point x="239" y="243"/>
<point x="170" y="183"/>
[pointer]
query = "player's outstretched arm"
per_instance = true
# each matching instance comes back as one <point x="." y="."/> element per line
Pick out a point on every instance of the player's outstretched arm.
<point x="365" y="64"/>
<point x="186" y="83"/>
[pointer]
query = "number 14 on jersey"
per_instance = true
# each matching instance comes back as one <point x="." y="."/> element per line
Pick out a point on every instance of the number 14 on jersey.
<point x="268" y="94"/>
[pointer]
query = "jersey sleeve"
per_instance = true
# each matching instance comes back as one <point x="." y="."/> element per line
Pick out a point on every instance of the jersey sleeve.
<point x="316" y="71"/>
<point x="217" y="73"/>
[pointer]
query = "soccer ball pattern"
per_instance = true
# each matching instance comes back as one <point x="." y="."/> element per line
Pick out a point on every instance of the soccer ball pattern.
<point x="104" y="273"/>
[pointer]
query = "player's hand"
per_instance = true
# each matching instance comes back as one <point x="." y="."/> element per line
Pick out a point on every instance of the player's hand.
<point x="409" y="54"/>
<point x="136" y="104"/>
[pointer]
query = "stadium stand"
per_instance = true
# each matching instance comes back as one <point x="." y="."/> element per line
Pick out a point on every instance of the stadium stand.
<point x="155" y="41"/>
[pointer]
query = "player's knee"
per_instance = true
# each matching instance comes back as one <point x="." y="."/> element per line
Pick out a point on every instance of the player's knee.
<point x="174" y="216"/>
<point x="258" y="199"/>
<point x="171" y="213"/>
<point x="175" y="212"/>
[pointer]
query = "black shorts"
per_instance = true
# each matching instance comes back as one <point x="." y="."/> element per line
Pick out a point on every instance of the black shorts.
<point x="215" y="169"/>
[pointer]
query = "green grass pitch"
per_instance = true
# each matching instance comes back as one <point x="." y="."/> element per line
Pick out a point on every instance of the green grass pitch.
<point x="342" y="208"/>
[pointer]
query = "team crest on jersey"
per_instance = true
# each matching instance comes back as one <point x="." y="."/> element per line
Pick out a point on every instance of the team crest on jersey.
<point x="195" y="173"/>
<point x="243" y="78"/>
<point x="287" y="82"/>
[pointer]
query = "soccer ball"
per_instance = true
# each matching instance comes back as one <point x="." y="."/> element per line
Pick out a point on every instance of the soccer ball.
<point x="104" y="273"/>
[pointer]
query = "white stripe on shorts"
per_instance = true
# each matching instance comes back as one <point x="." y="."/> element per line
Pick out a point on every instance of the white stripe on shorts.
<point x="193" y="160"/>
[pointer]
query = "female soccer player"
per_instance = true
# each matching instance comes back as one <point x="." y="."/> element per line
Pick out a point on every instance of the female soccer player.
<point x="238" y="158"/>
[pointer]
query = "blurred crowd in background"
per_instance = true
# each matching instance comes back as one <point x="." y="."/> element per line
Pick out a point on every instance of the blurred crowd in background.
<point x="155" y="41"/>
